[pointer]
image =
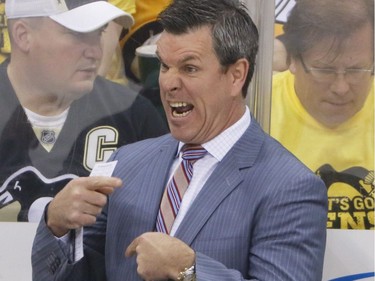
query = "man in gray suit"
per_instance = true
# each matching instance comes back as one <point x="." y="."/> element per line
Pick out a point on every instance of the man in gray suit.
<point x="252" y="210"/>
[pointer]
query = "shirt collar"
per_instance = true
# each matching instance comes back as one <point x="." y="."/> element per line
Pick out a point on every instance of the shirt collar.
<point x="219" y="146"/>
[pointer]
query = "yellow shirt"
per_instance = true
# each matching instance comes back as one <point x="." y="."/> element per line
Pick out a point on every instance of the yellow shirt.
<point x="4" y="36"/>
<point x="343" y="157"/>
<point x="125" y="5"/>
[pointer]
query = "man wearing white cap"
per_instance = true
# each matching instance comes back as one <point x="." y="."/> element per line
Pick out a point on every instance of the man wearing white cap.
<point x="58" y="117"/>
<point x="76" y="15"/>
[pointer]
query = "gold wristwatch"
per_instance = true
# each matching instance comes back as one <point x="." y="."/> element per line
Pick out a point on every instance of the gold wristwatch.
<point x="187" y="275"/>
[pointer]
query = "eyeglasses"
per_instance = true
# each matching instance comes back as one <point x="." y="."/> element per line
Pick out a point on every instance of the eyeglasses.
<point x="352" y="75"/>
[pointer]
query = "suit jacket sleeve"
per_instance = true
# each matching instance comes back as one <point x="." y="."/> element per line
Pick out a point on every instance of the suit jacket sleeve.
<point x="51" y="259"/>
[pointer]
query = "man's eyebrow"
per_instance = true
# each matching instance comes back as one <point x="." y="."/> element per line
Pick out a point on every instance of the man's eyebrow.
<point x="189" y="58"/>
<point x="183" y="60"/>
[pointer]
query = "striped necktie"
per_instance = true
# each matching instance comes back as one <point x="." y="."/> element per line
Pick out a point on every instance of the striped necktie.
<point x="172" y="197"/>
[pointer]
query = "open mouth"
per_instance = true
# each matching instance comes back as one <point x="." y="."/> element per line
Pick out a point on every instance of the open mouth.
<point x="181" y="109"/>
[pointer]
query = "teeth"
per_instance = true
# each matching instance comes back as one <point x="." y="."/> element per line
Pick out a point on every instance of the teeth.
<point x="175" y="114"/>
<point x="178" y="104"/>
<point x="180" y="109"/>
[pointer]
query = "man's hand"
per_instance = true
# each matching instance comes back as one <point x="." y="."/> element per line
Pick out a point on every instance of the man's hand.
<point x="160" y="256"/>
<point x="79" y="202"/>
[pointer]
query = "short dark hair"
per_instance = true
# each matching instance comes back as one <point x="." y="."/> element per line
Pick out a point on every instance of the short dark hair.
<point x="311" y="21"/>
<point x="234" y="34"/>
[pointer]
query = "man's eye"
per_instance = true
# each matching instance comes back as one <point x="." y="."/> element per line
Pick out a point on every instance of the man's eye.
<point x="190" y="69"/>
<point x="325" y="70"/>
<point x="163" y="67"/>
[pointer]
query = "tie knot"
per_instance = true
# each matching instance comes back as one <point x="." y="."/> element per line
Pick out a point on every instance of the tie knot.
<point x="192" y="152"/>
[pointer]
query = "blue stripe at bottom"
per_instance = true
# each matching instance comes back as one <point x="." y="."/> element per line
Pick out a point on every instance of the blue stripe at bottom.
<point x="354" y="277"/>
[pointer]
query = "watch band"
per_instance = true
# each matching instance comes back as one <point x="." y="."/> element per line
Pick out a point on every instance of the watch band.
<point x="187" y="275"/>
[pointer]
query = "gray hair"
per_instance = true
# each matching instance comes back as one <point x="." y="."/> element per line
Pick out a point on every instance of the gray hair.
<point x="234" y="34"/>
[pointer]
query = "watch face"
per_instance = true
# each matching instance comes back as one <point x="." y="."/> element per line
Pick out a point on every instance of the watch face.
<point x="187" y="275"/>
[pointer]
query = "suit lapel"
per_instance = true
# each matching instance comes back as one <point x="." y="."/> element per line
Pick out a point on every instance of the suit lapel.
<point x="166" y="156"/>
<point x="227" y="176"/>
<point x="163" y="160"/>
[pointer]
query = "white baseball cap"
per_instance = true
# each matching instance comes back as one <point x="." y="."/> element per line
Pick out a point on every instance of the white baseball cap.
<point x="76" y="15"/>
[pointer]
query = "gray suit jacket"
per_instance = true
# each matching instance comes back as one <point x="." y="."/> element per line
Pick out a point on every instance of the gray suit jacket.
<point x="260" y="216"/>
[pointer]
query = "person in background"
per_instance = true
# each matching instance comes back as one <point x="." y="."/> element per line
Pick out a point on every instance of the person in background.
<point x="112" y="63"/>
<point x="58" y="117"/>
<point x="247" y="211"/>
<point x="144" y="29"/>
<point x="280" y="56"/>
<point x="323" y="106"/>
<point x="120" y="63"/>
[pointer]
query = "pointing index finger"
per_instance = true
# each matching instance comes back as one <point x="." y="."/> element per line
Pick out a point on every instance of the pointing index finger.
<point x="131" y="249"/>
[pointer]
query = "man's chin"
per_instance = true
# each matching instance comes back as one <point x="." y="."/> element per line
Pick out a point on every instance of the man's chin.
<point x="83" y="89"/>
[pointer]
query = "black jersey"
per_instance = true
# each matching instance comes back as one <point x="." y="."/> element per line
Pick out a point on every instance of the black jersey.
<point x="98" y="123"/>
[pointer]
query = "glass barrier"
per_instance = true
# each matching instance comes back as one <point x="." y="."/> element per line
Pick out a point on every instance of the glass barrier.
<point x="313" y="90"/>
<point x="322" y="110"/>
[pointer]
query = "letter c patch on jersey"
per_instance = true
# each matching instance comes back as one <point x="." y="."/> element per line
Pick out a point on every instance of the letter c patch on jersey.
<point x="100" y="143"/>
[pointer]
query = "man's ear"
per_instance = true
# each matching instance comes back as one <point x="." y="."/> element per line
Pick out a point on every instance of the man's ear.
<point x="239" y="72"/>
<point x="292" y="65"/>
<point x="21" y="35"/>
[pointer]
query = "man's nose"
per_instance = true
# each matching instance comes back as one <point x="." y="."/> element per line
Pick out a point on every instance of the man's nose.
<point x="169" y="80"/>
<point x="93" y="46"/>
<point x="341" y="84"/>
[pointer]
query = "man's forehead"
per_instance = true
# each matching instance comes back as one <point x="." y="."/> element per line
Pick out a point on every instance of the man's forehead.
<point x="182" y="55"/>
<point x="330" y="50"/>
<point x="179" y="58"/>
<point x="191" y="44"/>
